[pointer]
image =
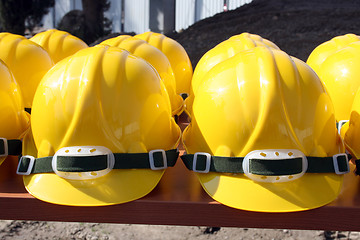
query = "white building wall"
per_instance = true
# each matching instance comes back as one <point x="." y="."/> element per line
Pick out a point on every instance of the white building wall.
<point x="137" y="13"/>
<point x="190" y="11"/>
<point x="48" y="19"/>
<point x="136" y="16"/>
<point x="114" y="15"/>
<point x="184" y="14"/>
<point x="233" y="4"/>
<point x="207" y="8"/>
<point x="77" y="4"/>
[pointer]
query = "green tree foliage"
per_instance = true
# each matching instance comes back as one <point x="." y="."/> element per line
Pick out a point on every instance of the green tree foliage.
<point x="17" y="15"/>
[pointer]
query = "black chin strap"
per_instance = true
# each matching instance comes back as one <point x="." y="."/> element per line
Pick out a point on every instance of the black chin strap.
<point x="267" y="167"/>
<point x="10" y="147"/>
<point x="157" y="160"/>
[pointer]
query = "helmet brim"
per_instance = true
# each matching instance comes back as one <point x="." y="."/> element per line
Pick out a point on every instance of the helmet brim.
<point x="118" y="186"/>
<point x="238" y="191"/>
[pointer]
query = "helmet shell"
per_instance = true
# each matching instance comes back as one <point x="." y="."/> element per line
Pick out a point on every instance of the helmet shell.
<point x="27" y="61"/>
<point x="177" y="56"/>
<point x="326" y="49"/>
<point x="101" y="96"/>
<point x="219" y="53"/>
<point x="351" y="130"/>
<point x="157" y="59"/>
<point x="14" y="120"/>
<point x="259" y="99"/>
<point x="59" y="44"/>
<point x="339" y="73"/>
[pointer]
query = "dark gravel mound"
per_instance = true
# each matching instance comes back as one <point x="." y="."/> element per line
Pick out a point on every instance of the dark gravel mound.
<point x="297" y="27"/>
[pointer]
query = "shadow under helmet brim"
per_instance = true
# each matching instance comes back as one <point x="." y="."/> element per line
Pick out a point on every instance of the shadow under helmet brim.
<point x="118" y="186"/>
<point x="237" y="191"/>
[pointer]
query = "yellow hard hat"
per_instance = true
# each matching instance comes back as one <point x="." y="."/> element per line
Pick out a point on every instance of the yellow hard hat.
<point x="262" y="135"/>
<point x="102" y="129"/>
<point x="339" y="72"/>
<point x="59" y="44"/>
<point x="27" y="61"/>
<point x="219" y="53"/>
<point x="157" y="59"/>
<point x="179" y="60"/>
<point x="351" y="132"/>
<point x="14" y="120"/>
<point x="326" y="49"/>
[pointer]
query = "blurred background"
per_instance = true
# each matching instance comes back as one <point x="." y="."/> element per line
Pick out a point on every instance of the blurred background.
<point x="91" y="19"/>
<point x="297" y="27"/>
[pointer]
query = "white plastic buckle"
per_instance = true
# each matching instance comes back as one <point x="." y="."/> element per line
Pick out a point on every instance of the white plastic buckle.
<point x="30" y="166"/>
<point x="274" y="155"/>
<point x="151" y="159"/>
<point x="336" y="164"/>
<point x="208" y="162"/>
<point x="6" y="150"/>
<point x="340" y="124"/>
<point x="84" y="151"/>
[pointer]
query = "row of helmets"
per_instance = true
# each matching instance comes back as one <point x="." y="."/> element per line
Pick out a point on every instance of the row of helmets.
<point x="337" y="64"/>
<point x="262" y="135"/>
<point x="102" y="127"/>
